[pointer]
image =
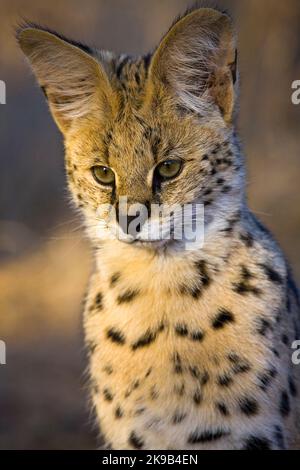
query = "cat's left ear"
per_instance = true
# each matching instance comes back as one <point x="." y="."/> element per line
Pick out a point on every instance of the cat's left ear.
<point x="75" y="84"/>
<point x="196" y="62"/>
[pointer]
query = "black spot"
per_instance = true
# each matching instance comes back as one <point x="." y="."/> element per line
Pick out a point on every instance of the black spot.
<point x="225" y="380"/>
<point x="108" y="396"/>
<point x="128" y="296"/>
<point x="273" y="372"/>
<point x="135" y="441"/>
<point x="278" y="436"/>
<point x="195" y="371"/>
<point x="205" y="277"/>
<point x="207" y="192"/>
<point x="178" y="417"/>
<point x="99" y="301"/>
<point x="203" y="273"/>
<point x="248" y="406"/>
<point x="285" y="339"/>
<point x="284" y="405"/>
<point x="222" y="408"/>
<point x="148" y="372"/>
<point x="197" y="397"/>
<point x="223" y="317"/>
<point x="275" y="352"/>
<point x="133" y="386"/>
<point x="240" y="365"/>
<point x="247" y="239"/>
<point x="234" y="358"/>
<point x="118" y="412"/>
<point x="257" y="443"/>
<point x="243" y="288"/>
<point x="226" y="189"/>
<point x="246" y="275"/>
<point x="204" y="378"/>
<point x="181" y="329"/>
<point x="292" y="387"/>
<point x="293" y="288"/>
<point x="177" y="363"/>
<point x="265" y="378"/>
<point x="288" y="303"/>
<point x="108" y="370"/>
<point x="231" y="223"/>
<point x="115" y="336"/>
<point x="296" y="323"/>
<point x="264" y="326"/>
<point x="198" y="436"/>
<point x="148" y="338"/>
<point x="216" y="149"/>
<point x="264" y="381"/>
<point x="114" y="279"/>
<point x="197" y="335"/>
<point x="194" y="291"/>
<point x="145" y="340"/>
<point x="140" y="411"/>
<point x="272" y="274"/>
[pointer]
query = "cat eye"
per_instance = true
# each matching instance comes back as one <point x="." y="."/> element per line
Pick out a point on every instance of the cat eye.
<point x="168" y="169"/>
<point x="103" y="175"/>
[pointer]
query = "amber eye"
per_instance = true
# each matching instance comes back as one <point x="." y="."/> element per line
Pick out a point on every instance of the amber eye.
<point x="103" y="175"/>
<point x="168" y="169"/>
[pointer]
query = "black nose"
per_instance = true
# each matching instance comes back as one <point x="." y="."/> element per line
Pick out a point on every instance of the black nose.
<point x="126" y="222"/>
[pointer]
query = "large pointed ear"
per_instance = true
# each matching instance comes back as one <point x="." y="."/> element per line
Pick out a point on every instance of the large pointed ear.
<point x="196" y="61"/>
<point x="74" y="83"/>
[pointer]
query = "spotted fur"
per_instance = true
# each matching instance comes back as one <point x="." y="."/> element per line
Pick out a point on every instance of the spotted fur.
<point x="187" y="349"/>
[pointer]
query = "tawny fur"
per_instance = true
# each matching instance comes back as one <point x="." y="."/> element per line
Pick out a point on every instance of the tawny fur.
<point x="188" y="349"/>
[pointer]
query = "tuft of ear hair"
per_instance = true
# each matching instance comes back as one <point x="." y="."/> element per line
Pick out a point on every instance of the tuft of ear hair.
<point x="73" y="81"/>
<point x="196" y="62"/>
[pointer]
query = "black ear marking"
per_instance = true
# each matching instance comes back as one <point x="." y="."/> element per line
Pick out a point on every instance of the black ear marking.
<point x="43" y="88"/>
<point x="233" y="67"/>
<point x="27" y="24"/>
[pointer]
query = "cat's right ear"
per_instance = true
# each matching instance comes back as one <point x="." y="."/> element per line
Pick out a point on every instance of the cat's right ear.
<point x="74" y="83"/>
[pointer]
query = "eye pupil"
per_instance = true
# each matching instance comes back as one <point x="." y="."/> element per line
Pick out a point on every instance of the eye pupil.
<point x="103" y="175"/>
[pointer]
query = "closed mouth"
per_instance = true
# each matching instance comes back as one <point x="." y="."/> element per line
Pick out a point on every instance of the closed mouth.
<point x="155" y="243"/>
<point x="158" y="245"/>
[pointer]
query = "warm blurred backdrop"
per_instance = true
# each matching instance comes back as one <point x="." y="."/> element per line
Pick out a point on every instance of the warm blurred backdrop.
<point x="44" y="261"/>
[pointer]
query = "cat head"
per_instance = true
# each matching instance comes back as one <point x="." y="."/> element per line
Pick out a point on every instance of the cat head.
<point x="154" y="130"/>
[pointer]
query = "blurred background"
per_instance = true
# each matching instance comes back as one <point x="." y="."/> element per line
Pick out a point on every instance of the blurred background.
<point x="44" y="259"/>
